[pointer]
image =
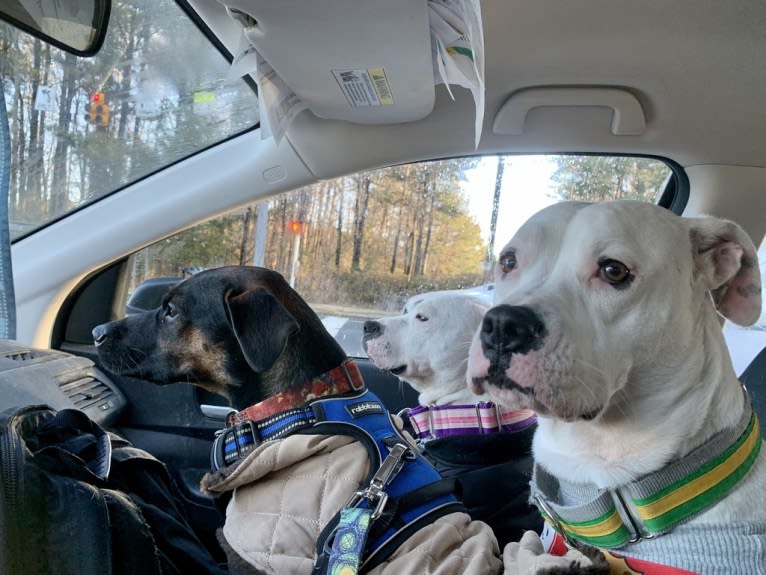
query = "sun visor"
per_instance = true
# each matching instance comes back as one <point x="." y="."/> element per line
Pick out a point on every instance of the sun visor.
<point x="361" y="61"/>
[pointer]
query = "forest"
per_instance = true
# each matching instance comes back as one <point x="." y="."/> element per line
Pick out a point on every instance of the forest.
<point x="156" y="109"/>
<point x="394" y="231"/>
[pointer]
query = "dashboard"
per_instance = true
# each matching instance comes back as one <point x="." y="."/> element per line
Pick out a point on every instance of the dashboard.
<point x="30" y="376"/>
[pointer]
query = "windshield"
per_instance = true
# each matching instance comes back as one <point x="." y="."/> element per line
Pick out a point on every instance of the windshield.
<point x="81" y="128"/>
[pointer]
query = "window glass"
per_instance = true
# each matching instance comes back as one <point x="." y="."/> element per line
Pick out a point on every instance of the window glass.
<point x="746" y="342"/>
<point x="81" y="128"/>
<point x="357" y="247"/>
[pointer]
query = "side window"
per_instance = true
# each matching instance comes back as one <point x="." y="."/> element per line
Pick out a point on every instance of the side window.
<point x="358" y="246"/>
<point x="746" y="342"/>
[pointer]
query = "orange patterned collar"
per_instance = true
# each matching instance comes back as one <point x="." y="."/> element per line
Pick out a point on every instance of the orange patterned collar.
<point x="342" y="379"/>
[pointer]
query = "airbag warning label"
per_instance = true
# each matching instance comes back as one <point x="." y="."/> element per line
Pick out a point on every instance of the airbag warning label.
<point x="364" y="88"/>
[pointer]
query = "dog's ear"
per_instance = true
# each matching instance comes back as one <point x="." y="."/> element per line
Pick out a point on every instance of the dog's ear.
<point x="261" y="325"/>
<point x="726" y="258"/>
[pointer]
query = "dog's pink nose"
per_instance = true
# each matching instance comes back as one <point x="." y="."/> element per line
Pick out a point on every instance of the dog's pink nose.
<point x="508" y="329"/>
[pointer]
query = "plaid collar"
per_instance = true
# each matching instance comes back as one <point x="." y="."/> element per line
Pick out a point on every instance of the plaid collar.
<point x="436" y="421"/>
<point x="656" y="503"/>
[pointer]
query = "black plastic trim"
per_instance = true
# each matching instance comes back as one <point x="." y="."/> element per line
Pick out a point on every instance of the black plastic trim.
<point x="95" y="46"/>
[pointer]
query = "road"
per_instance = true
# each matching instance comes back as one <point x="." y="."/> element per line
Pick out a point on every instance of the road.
<point x="347" y="332"/>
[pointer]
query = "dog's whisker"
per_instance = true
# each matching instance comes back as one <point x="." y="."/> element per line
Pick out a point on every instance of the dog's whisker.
<point x="462" y="344"/>
<point x="135" y="355"/>
<point x="590" y="365"/>
<point x="621" y="408"/>
<point x="585" y="386"/>
<point x="128" y="361"/>
<point x="589" y="389"/>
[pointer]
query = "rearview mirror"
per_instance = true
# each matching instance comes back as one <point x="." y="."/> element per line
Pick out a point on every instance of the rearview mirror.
<point x="77" y="26"/>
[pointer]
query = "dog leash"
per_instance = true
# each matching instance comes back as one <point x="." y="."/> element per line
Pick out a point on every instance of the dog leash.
<point x="402" y="493"/>
<point x="350" y="537"/>
<point x="438" y="421"/>
<point x="655" y="504"/>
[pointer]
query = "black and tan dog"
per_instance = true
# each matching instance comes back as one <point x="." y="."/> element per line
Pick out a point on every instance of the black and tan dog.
<point x="233" y="331"/>
<point x="244" y="333"/>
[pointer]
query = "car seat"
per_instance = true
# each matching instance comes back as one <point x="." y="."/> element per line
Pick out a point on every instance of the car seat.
<point x="754" y="379"/>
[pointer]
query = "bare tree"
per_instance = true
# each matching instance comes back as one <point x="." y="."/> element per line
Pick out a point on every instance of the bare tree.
<point x="361" y="206"/>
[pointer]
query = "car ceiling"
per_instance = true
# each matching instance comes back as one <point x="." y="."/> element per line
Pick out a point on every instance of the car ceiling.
<point x="696" y="67"/>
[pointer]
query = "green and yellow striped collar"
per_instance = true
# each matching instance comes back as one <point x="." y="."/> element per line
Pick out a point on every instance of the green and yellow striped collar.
<point x="656" y="503"/>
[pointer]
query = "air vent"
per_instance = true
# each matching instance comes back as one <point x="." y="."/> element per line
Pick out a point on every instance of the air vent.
<point x="87" y="391"/>
<point x="23" y="355"/>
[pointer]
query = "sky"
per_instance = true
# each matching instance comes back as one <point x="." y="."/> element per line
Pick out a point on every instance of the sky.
<point x="526" y="189"/>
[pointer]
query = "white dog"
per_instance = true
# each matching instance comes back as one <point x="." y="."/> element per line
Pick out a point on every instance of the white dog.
<point x="605" y="324"/>
<point x="427" y="346"/>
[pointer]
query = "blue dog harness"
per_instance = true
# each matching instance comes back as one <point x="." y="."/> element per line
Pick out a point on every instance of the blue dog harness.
<point x="401" y="494"/>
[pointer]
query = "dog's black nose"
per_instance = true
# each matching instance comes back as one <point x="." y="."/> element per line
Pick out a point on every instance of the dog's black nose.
<point x="99" y="334"/>
<point x="508" y="329"/>
<point x="372" y="329"/>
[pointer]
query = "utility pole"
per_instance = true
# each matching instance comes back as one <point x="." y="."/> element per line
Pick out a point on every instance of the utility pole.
<point x="261" y="229"/>
<point x="490" y="258"/>
<point x="294" y="258"/>
<point x="297" y="227"/>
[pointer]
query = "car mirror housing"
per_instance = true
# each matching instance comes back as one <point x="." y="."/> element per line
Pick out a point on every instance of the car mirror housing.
<point x="79" y="27"/>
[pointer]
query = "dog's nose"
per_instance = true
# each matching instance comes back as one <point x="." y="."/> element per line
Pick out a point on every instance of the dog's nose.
<point x="508" y="329"/>
<point x="99" y="334"/>
<point x="372" y="329"/>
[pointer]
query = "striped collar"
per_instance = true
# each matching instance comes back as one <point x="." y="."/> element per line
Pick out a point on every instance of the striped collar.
<point x="656" y="503"/>
<point x="436" y="421"/>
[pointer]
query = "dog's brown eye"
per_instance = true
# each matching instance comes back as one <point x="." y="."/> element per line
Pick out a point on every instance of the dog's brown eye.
<point x="615" y="273"/>
<point x="171" y="311"/>
<point x="507" y="262"/>
<point x="421" y="317"/>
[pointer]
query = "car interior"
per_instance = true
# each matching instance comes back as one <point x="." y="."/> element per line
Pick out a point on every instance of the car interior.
<point x="297" y="98"/>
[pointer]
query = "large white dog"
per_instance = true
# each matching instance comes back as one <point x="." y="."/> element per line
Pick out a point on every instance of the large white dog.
<point x="606" y="323"/>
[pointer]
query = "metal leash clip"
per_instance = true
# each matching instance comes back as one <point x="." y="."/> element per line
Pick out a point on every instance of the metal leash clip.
<point x="375" y="491"/>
